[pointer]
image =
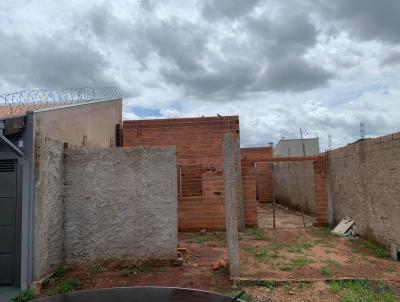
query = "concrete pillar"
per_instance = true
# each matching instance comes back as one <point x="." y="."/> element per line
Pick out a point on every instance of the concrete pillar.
<point x="230" y="205"/>
<point x="394" y="251"/>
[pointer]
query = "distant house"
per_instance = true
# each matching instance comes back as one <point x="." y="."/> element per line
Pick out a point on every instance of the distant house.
<point x="294" y="147"/>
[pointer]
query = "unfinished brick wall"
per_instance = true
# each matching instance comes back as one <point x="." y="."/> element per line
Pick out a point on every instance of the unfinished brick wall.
<point x="364" y="185"/>
<point x="199" y="147"/>
<point x="262" y="170"/>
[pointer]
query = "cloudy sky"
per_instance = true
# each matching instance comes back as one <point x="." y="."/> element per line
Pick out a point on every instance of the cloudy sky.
<point x="324" y="66"/>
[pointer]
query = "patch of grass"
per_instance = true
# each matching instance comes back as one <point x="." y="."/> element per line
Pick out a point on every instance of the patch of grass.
<point x="294" y="249"/>
<point x="295" y="263"/>
<point x="324" y="271"/>
<point x="268" y="284"/>
<point x="97" y="269"/>
<point x="68" y="285"/>
<point x="376" y="250"/>
<point x="223" y="271"/>
<point x="59" y="272"/>
<point x="219" y="238"/>
<point x="331" y="262"/>
<point x="261" y="254"/>
<point x="300" y="248"/>
<point x="362" y="291"/>
<point x="26" y="295"/>
<point x="258" y="234"/>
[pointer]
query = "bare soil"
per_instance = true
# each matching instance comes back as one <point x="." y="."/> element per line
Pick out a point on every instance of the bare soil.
<point x="310" y="254"/>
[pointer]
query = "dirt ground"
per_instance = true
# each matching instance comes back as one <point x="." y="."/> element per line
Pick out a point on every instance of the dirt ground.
<point x="284" y="217"/>
<point x="308" y="257"/>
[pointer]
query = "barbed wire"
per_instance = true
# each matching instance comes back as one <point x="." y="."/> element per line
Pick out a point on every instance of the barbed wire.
<point x="31" y="99"/>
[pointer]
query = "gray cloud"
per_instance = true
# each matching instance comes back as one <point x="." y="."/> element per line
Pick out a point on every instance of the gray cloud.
<point x="367" y="19"/>
<point x="225" y="80"/>
<point x="47" y="62"/>
<point x="293" y="74"/>
<point x="390" y="59"/>
<point x="283" y="36"/>
<point x="231" y="9"/>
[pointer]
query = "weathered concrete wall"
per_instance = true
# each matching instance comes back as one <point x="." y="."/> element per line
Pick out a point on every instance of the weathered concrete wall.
<point x="48" y="212"/>
<point x="89" y="125"/>
<point x="364" y="180"/>
<point x="120" y="203"/>
<point x="285" y="185"/>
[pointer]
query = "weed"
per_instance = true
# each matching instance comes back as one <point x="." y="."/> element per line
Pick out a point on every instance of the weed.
<point x="223" y="270"/>
<point x="324" y="271"/>
<point x="362" y="291"/>
<point x="220" y="238"/>
<point x="331" y="262"/>
<point x="300" y="249"/>
<point x="258" y="234"/>
<point x="122" y="284"/>
<point x="295" y="263"/>
<point x="59" y="272"/>
<point x="261" y="254"/>
<point x="376" y="250"/>
<point x="268" y="284"/>
<point x="98" y="268"/>
<point x="66" y="286"/>
<point x="26" y="295"/>
<point x="294" y="249"/>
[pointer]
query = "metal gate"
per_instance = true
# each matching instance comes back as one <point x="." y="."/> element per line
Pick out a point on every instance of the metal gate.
<point x="8" y="221"/>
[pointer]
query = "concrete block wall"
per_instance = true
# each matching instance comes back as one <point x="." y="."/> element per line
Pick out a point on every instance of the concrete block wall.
<point x="287" y="187"/>
<point x="199" y="144"/>
<point x="315" y="176"/>
<point x="263" y="172"/>
<point x="364" y="180"/>
<point x="120" y="204"/>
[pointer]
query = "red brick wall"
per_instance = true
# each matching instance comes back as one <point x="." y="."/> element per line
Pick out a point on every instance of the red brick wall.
<point x="199" y="143"/>
<point x="262" y="170"/>
<point x="249" y="194"/>
<point x="321" y="193"/>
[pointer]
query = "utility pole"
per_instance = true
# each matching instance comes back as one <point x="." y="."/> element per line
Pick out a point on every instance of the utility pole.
<point x="362" y="130"/>
<point x="329" y="142"/>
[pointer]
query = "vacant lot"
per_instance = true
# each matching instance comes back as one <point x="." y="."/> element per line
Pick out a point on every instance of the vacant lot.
<point x="287" y="265"/>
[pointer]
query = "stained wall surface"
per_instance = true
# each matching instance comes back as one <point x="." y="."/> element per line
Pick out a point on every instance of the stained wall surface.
<point x="48" y="212"/>
<point x="120" y="203"/>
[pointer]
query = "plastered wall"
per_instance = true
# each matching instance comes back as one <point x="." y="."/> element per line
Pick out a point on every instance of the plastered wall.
<point x="120" y="203"/>
<point x="48" y="212"/>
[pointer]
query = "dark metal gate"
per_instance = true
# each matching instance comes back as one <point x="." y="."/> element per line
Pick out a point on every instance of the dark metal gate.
<point x="8" y="221"/>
